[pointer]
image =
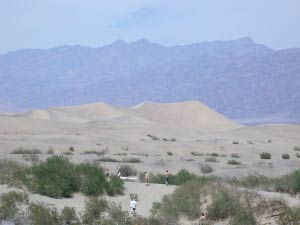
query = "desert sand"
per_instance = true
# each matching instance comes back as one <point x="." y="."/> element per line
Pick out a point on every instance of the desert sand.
<point x="181" y="128"/>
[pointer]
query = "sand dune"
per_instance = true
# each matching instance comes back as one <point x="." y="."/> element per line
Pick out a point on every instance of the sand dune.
<point x="190" y="114"/>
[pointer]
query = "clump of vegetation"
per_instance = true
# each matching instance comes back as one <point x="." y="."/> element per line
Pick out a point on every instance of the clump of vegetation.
<point x="41" y="214"/>
<point x="205" y="168"/>
<point x="285" y="156"/>
<point x="297" y="148"/>
<point x="235" y="155"/>
<point x="33" y="158"/>
<point x="173" y="139"/>
<point x="235" y="142"/>
<point x="26" y="151"/>
<point x="223" y="205"/>
<point x="211" y="159"/>
<point x="154" y="138"/>
<point x="196" y="153"/>
<point x="265" y="155"/>
<point x="165" y="139"/>
<point x="170" y="153"/>
<point x="50" y="151"/>
<point x="289" y="216"/>
<point x="10" y="171"/>
<point x="127" y="171"/>
<point x="214" y="154"/>
<point x="57" y="177"/>
<point x="121" y="154"/>
<point x="71" y="149"/>
<point x="10" y="204"/>
<point x="108" y="159"/>
<point x="234" y="162"/>
<point x="132" y="160"/>
<point x="179" y="178"/>
<point x="140" y="154"/>
<point x="68" y="153"/>
<point x="298" y="155"/>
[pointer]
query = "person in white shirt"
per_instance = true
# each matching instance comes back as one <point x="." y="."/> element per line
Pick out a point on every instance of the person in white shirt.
<point x="132" y="205"/>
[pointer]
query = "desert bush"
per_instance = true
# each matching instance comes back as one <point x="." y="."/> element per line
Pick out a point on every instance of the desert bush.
<point x="50" y="151"/>
<point x="235" y="155"/>
<point x="10" y="172"/>
<point x="154" y="138"/>
<point x="181" y="177"/>
<point x="121" y="154"/>
<point x="68" y="216"/>
<point x="55" y="177"/>
<point x="233" y="162"/>
<point x="296" y="148"/>
<point x="196" y="154"/>
<point x="285" y="156"/>
<point x="68" y="153"/>
<point x="92" y="179"/>
<point x="173" y="139"/>
<point x="235" y="142"/>
<point x="205" y="168"/>
<point x="115" y="186"/>
<point x="108" y="159"/>
<point x="33" y="158"/>
<point x="298" y="155"/>
<point x="265" y="155"/>
<point x="165" y="139"/>
<point x="211" y="159"/>
<point x="10" y="204"/>
<point x="214" y="154"/>
<point x="223" y="205"/>
<point x="127" y="171"/>
<point x="41" y="214"/>
<point x="131" y="160"/>
<point x="26" y="151"/>
<point x="243" y="216"/>
<point x="71" y="149"/>
<point x="94" y="210"/>
<point x="290" y="216"/>
<point x="170" y="153"/>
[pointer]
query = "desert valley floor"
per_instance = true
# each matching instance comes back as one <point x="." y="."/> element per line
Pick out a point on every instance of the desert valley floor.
<point x="164" y="136"/>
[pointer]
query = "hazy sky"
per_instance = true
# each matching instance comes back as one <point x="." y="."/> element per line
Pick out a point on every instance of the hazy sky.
<point x="49" y="23"/>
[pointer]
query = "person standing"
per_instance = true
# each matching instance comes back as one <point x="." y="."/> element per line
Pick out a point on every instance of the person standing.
<point x="132" y="205"/>
<point x="167" y="177"/>
<point x="146" y="178"/>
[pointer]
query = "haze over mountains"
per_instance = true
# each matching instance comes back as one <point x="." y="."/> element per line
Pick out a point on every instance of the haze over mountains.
<point x="240" y="79"/>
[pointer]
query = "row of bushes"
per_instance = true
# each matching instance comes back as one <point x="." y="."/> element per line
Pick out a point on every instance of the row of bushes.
<point x="289" y="183"/>
<point x="97" y="211"/>
<point x="57" y="177"/>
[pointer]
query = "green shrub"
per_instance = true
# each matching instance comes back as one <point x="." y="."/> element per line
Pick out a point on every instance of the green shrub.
<point x="94" y="210"/>
<point x="41" y="214"/>
<point x="170" y="153"/>
<point x="211" y="159"/>
<point x="243" y="216"/>
<point x="196" y="154"/>
<point x="233" y="162"/>
<point x="154" y="138"/>
<point x="115" y="186"/>
<point x="131" y="160"/>
<point x="92" y="179"/>
<point x="285" y="156"/>
<point x="205" y="168"/>
<point x="127" y="171"/>
<point x="26" y="151"/>
<point x="10" y="171"/>
<point x="297" y="148"/>
<point x="10" y="204"/>
<point x="265" y="155"/>
<point x="68" y="216"/>
<point x="223" y="205"/>
<point x="290" y="216"/>
<point x="235" y="155"/>
<point x="55" y="177"/>
<point x="50" y="151"/>
<point x="71" y="149"/>
<point x="107" y="159"/>
<point x="181" y="177"/>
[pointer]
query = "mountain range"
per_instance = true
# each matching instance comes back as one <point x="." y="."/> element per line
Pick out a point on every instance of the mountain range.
<point x="240" y="79"/>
